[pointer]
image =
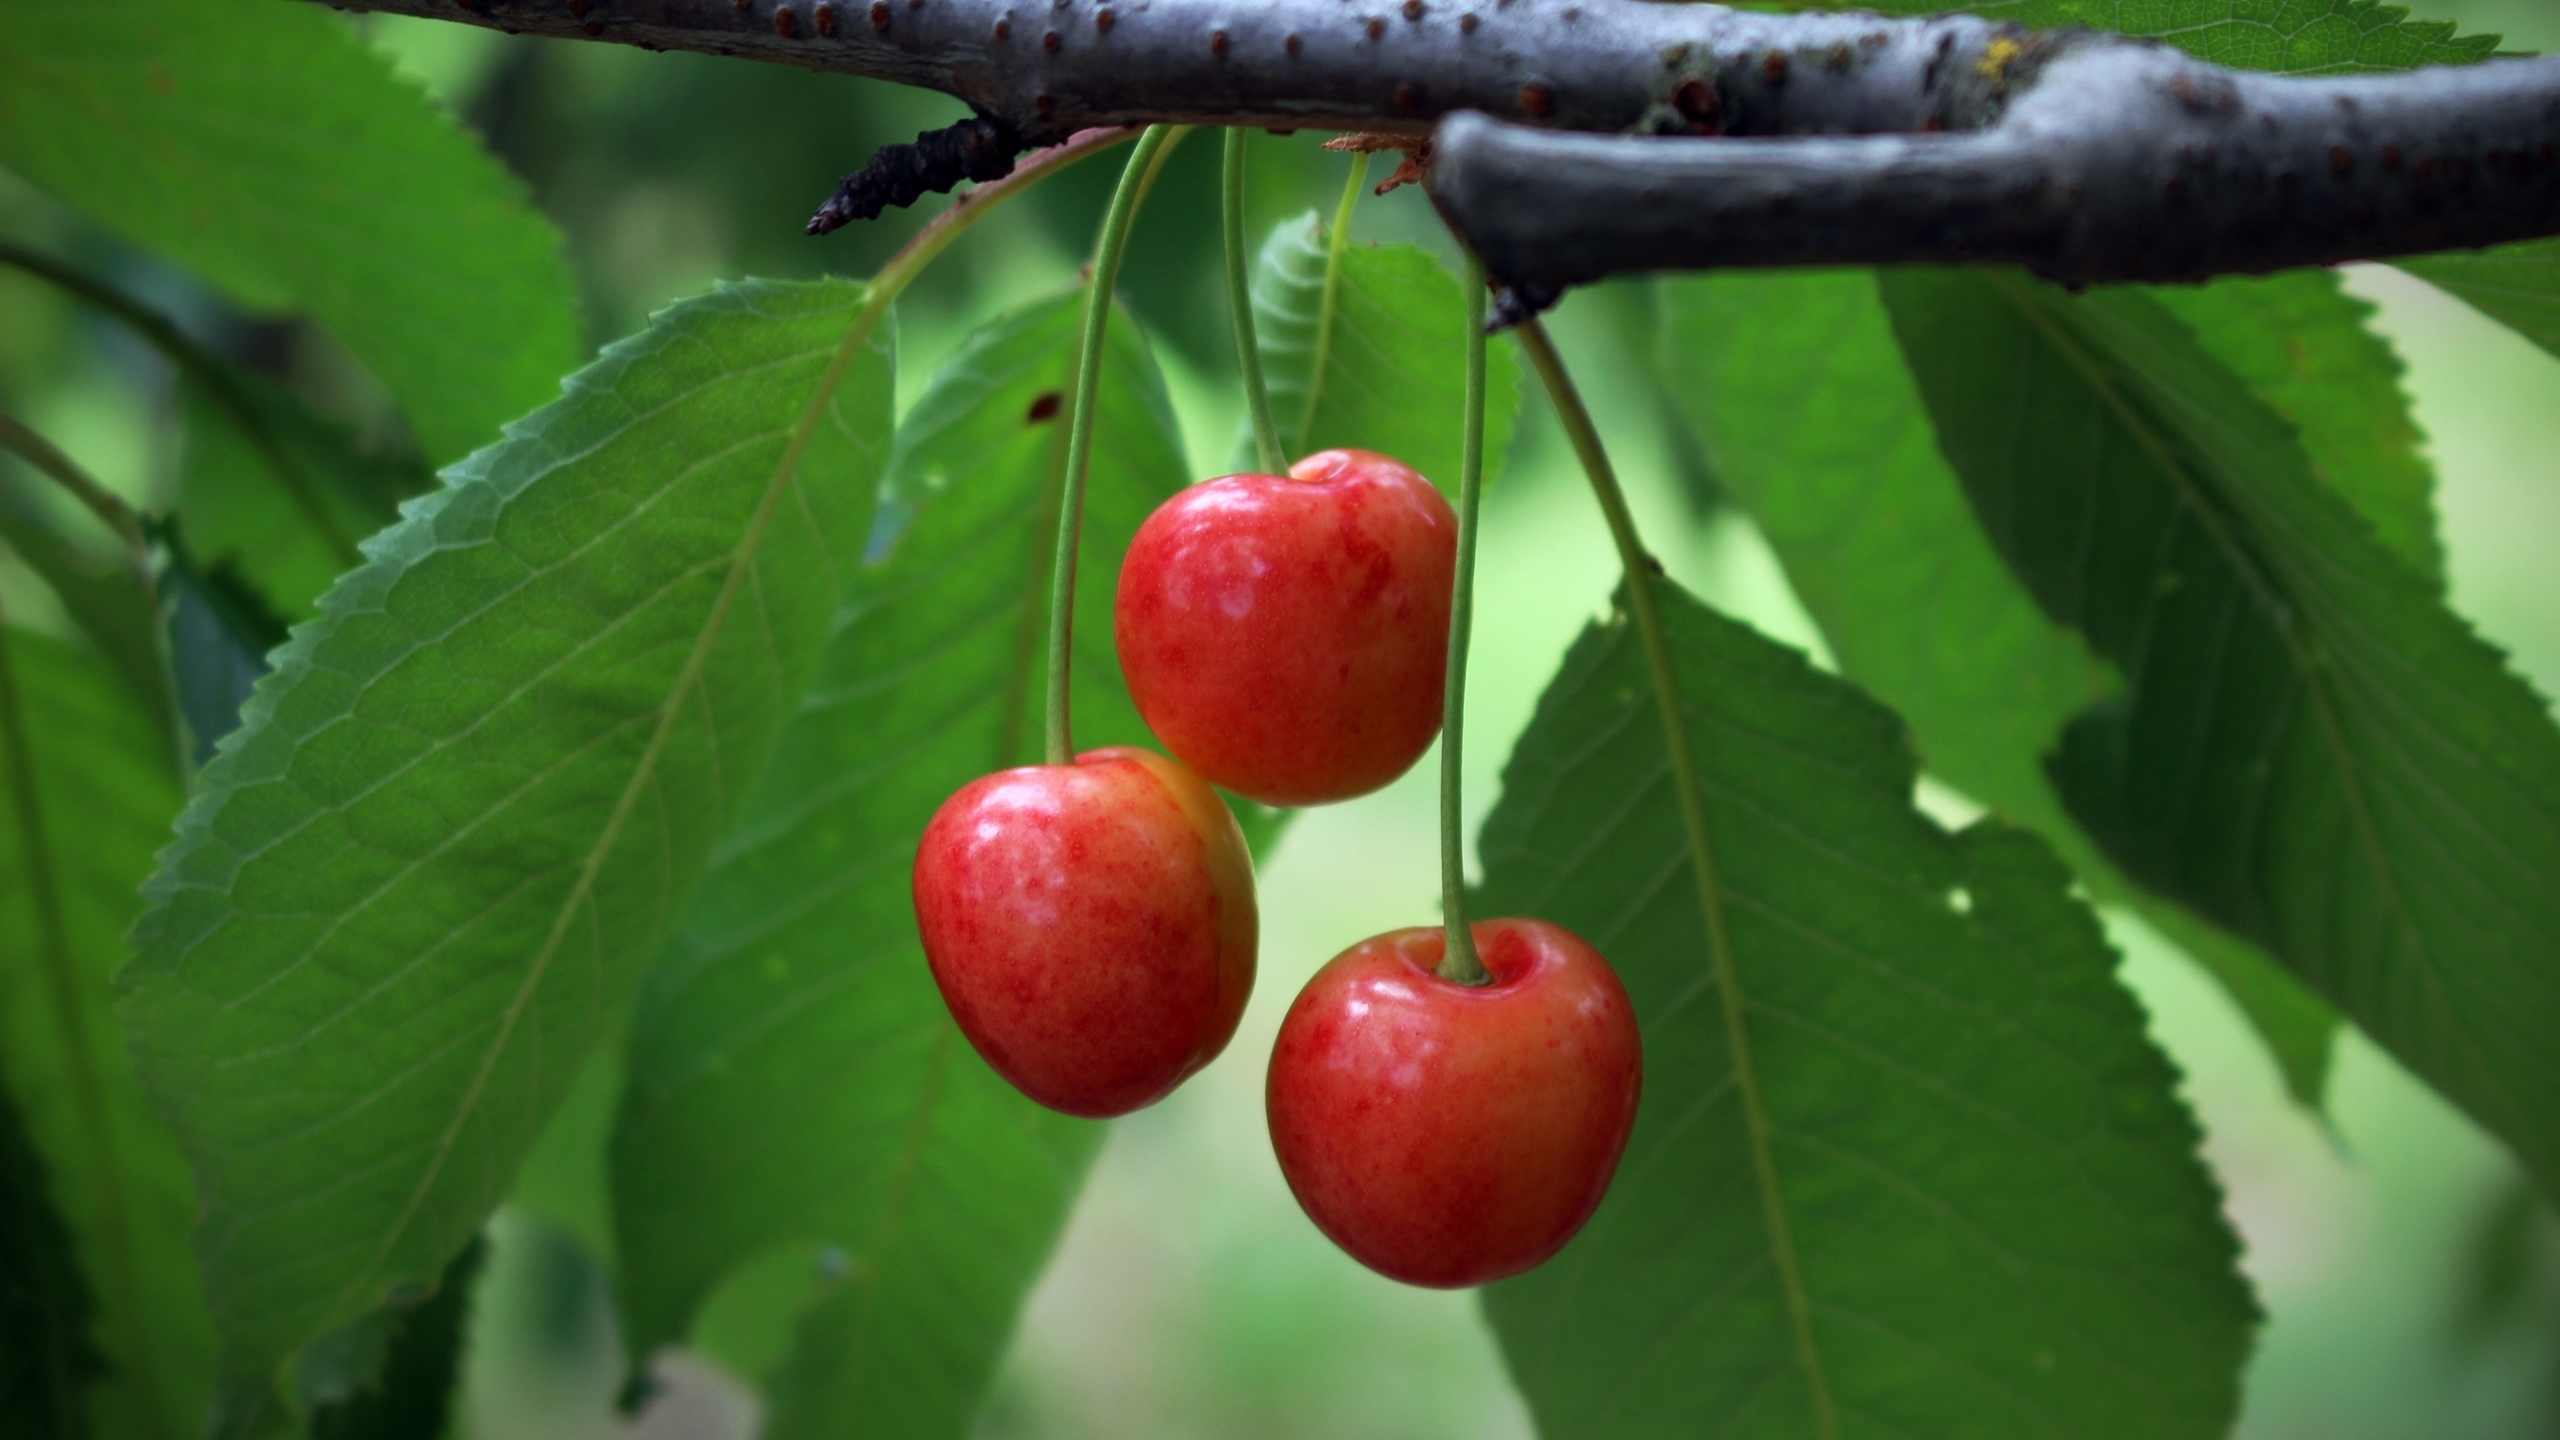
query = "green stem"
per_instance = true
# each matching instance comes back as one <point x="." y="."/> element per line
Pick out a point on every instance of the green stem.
<point x="41" y="455"/>
<point x="1060" y="749"/>
<point x="1257" y="398"/>
<point x="1640" y="570"/>
<point x="156" y="690"/>
<point x="209" y="372"/>
<point x="1336" y="246"/>
<point x="1458" y="959"/>
<point x="1147" y="182"/>
<point x="965" y="210"/>
<point x="971" y="205"/>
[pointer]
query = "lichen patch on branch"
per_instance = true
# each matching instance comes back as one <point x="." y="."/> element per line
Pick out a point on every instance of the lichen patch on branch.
<point x="1409" y="169"/>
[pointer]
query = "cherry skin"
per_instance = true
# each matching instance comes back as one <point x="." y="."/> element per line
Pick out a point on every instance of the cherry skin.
<point x="1448" y="1134"/>
<point x="1090" y="925"/>
<point x="1286" y="636"/>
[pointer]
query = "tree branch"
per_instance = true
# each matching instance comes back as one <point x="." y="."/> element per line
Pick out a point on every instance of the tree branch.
<point x="2122" y="161"/>
<point x="1841" y="138"/>
<point x="1048" y="67"/>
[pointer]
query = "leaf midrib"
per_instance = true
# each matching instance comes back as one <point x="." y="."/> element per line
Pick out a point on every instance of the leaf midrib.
<point x="1689" y="790"/>
<point x="643" y="775"/>
<point x="1985" y="1110"/>
<point x="2307" y="671"/>
<point x="486" y="607"/>
<point x="901" y="1191"/>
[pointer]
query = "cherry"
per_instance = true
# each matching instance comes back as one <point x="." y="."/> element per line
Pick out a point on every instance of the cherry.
<point x="1090" y="925"/>
<point x="1450" y="1134"/>
<point x="1285" y="636"/>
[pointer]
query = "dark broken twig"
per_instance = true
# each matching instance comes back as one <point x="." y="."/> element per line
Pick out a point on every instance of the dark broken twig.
<point x="1616" y="135"/>
<point x="979" y="148"/>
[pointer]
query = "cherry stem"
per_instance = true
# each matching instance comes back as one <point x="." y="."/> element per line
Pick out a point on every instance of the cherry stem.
<point x="1257" y="397"/>
<point x="1141" y="170"/>
<point x="1336" y="245"/>
<point x="1459" y="962"/>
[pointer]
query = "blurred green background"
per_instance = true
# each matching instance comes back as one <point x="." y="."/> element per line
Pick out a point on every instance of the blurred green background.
<point x="2412" y="1284"/>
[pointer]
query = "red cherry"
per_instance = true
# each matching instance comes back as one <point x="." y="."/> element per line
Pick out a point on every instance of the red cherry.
<point x="1286" y="636"/>
<point x="1449" y="1134"/>
<point x="1090" y="925"/>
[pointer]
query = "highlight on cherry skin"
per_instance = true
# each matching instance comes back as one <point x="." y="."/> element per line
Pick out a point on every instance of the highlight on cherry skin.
<point x="1285" y="636"/>
<point x="1447" y="1134"/>
<point x="1091" y="926"/>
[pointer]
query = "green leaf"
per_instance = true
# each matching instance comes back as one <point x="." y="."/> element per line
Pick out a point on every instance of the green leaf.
<point x="2516" y="285"/>
<point x="46" y="1357"/>
<point x="105" y="594"/>
<point x="87" y="791"/>
<point x="563" y="1183"/>
<point x="1388" y="372"/>
<point x="2300" y="341"/>
<point x="473" y="797"/>
<point x="1994" y="1218"/>
<point x="2498" y="1282"/>
<point x="275" y="493"/>
<point x="793" y="1043"/>
<point x="2318" y="36"/>
<point x="1794" y="382"/>
<point x="1633" y="316"/>
<point x="221" y="632"/>
<point x="263" y="145"/>
<point x="2311" y="749"/>
<point x="399" y="1384"/>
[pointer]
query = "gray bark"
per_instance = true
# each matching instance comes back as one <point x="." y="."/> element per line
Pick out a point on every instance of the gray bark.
<point x="2121" y="162"/>
<point x="1050" y="67"/>
<point x="1836" y="137"/>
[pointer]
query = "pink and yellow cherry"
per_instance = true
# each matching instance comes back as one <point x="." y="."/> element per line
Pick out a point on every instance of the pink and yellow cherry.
<point x="1286" y="635"/>
<point x="1448" y="1134"/>
<point x="1090" y="925"/>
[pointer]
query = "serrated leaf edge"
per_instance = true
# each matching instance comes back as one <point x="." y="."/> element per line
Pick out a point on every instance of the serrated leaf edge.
<point x="18" y="764"/>
<point x="383" y="556"/>
<point x="2307" y="664"/>
<point x="688" y="679"/>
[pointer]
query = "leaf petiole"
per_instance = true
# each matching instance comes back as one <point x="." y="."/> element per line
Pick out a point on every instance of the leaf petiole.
<point x="1114" y="239"/>
<point x="1337" y="243"/>
<point x="43" y="457"/>
<point x="971" y="205"/>
<point x="1640" y="570"/>
<point x="1257" y="397"/>
<point x="206" y="370"/>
